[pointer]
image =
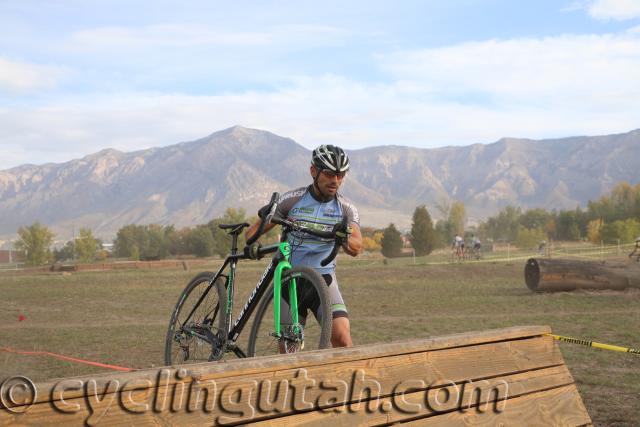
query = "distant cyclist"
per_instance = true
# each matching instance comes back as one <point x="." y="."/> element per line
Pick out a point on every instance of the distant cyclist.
<point x="476" y="245"/>
<point x="542" y="246"/>
<point x="458" y="246"/>
<point x="636" y="249"/>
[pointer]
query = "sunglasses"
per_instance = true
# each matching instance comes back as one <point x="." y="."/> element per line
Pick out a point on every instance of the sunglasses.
<point x="331" y="174"/>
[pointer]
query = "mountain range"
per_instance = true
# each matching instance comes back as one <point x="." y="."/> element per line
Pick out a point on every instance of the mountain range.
<point x="192" y="182"/>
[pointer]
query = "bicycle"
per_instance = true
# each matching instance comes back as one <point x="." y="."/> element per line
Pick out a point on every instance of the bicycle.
<point x="207" y="333"/>
<point x="475" y="253"/>
<point x="457" y="254"/>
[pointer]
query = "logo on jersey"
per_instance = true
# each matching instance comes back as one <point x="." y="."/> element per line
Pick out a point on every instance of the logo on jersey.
<point x="302" y="210"/>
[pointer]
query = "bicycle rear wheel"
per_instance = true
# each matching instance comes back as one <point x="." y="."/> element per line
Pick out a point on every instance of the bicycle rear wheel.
<point x="315" y="334"/>
<point x="197" y="323"/>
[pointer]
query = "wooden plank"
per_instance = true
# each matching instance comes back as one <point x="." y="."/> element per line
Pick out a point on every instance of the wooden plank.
<point x="492" y="395"/>
<point x="505" y="357"/>
<point x="556" y="407"/>
<point x="256" y="366"/>
<point x="458" y="364"/>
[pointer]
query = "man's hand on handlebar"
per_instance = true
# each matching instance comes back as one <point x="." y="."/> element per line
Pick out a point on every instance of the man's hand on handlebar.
<point x="252" y="251"/>
<point x="342" y="231"/>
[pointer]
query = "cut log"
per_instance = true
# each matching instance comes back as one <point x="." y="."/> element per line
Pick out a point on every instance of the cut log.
<point x="553" y="275"/>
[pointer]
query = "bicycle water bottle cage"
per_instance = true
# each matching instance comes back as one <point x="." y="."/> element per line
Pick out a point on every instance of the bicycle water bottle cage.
<point x="233" y="228"/>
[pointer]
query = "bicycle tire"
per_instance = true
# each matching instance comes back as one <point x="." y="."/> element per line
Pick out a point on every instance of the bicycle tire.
<point x="261" y="340"/>
<point x="182" y="347"/>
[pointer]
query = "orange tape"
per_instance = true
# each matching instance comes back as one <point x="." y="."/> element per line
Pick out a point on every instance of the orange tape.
<point x="72" y="359"/>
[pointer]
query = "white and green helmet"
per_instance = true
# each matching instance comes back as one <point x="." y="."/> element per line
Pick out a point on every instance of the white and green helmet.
<point x="330" y="157"/>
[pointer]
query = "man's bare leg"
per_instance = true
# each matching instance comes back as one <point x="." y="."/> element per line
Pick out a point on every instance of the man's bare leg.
<point x="341" y="332"/>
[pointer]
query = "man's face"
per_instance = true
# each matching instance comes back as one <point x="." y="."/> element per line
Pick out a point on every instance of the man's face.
<point x="328" y="182"/>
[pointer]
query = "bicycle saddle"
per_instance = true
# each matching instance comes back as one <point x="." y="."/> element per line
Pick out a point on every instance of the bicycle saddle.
<point x="234" y="228"/>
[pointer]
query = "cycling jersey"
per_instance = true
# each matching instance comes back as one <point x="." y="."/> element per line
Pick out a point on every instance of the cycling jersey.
<point x="302" y="205"/>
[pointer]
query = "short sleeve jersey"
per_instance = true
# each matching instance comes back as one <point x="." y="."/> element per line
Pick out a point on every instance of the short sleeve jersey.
<point x="301" y="205"/>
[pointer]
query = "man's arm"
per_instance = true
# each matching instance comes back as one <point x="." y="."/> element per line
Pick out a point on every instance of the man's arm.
<point x="353" y="245"/>
<point x="249" y="232"/>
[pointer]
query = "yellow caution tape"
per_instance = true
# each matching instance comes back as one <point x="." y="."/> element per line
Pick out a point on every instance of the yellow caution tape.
<point x="595" y="344"/>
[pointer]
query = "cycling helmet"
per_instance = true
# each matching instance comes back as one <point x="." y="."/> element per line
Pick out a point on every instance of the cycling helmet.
<point x="330" y="157"/>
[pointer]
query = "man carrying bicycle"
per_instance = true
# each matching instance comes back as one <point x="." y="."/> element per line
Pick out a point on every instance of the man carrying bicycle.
<point x="320" y="206"/>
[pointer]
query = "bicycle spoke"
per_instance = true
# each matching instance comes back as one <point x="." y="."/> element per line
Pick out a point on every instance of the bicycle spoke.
<point x="267" y="344"/>
<point x="195" y="329"/>
<point x="310" y="336"/>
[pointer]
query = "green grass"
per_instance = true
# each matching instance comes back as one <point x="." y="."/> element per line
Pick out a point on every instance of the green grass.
<point x="120" y="317"/>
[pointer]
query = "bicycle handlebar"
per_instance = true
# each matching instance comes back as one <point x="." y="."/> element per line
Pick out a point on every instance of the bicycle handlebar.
<point x="274" y="218"/>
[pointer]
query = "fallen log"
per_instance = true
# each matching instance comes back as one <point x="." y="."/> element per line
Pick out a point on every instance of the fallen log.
<point x="554" y="275"/>
<point x="512" y="376"/>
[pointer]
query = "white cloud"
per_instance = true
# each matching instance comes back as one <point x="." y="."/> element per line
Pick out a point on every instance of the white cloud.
<point x="194" y="35"/>
<point x="462" y="94"/>
<point x="577" y="5"/>
<point x="23" y="77"/>
<point x="168" y="35"/>
<point x="593" y="72"/>
<point x="614" y="9"/>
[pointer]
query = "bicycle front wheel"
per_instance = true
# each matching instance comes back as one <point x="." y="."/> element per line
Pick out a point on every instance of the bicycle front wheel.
<point x="197" y="323"/>
<point x="315" y="333"/>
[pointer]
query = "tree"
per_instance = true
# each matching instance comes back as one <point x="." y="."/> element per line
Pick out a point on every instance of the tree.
<point x="624" y="231"/>
<point x="458" y="217"/>
<point x="178" y="240"/>
<point x="530" y="238"/>
<point x="222" y="241"/>
<point x="369" y="244"/>
<point x="503" y="226"/>
<point x="423" y="236"/>
<point x="147" y="242"/>
<point x="568" y="225"/>
<point x="35" y="241"/>
<point x="444" y="233"/>
<point x="391" y="242"/>
<point x="201" y="241"/>
<point x="534" y="218"/>
<point x="157" y="242"/>
<point x="67" y="252"/>
<point x="86" y="245"/>
<point x="135" y="253"/>
<point x="594" y="227"/>
<point x="126" y="239"/>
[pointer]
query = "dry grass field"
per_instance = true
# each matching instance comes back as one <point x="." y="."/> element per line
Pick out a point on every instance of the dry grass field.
<point x="120" y="317"/>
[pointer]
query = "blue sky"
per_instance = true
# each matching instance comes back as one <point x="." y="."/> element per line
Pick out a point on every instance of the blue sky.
<point x="80" y="76"/>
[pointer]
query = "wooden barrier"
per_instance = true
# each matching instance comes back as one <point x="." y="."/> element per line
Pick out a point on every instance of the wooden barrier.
<point x="513" y="376"/>
<point x="554" y="275"/>
<point x="186" y="265"/>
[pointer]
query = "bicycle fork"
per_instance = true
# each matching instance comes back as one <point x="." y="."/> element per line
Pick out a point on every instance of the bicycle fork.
<point x="296" y="327"/>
